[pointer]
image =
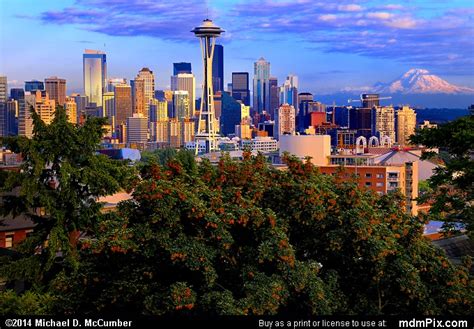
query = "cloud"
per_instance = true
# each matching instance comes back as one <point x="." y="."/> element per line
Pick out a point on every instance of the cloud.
<point x="132" y="17"/>
<point x="380" y="15"/>
<point x="433" y="36"/>
<point x="442" y="39"/>
<point x="350" y="7"/>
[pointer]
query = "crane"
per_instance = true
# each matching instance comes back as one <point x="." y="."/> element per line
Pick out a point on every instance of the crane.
<point x="368" y="99"/>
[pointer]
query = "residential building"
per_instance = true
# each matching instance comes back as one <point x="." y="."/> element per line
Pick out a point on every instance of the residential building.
<point x="284" y="120"/>
<point x="406" y="124"/>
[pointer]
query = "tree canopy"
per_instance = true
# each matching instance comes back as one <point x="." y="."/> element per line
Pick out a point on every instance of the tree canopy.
<point x="451" y="186"/>
<point x="241" y="238"/>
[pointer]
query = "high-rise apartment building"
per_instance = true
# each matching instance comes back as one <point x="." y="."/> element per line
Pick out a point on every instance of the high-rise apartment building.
<point x="56" y="89"/>
<point x="122" y="103"/>
<point x="406" y="124"/>
<point x="71" y="110"/>
<point x="186" y="82"/>
<point x="45" y="107"/>
<point x="385" y="122"/>
<point x="284" y="120"/>
<point x="261" y="86"/>
<point x="218" y="69"/>
<point x="94" y="75"/>
<point x="240" y="87"/>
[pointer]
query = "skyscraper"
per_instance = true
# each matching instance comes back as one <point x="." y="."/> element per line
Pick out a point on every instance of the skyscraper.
<point x="303" y="111"/>
<point x="274" y="95"/>
<point x="181" y="108"/>
<point x="158" y="110"/>
<point x="289" y="91"/>
<point x="284" y="120"/>
<point x="240" y="87"/>
<point x="137" y="128"/>
<point x="207" y="32"/>
<point x="261" y="86"/>
<point x="122" y="103"/>
<point x="231" y="114"/>
<point x="108" y="107"/>
<point x="56" y="89"/>
<point x="218" y="69"/>
<point x="138" y="95"/>
<point x="34" y="85"/>
<point x="406" y="124"/>
<point x="94" y="75"/>
<point x="8" y="126"/>
<point x="187" y="82"/>
<point x="149" y="86"/>
<point x="181" y="67"/>
<point x="17" y="93"/>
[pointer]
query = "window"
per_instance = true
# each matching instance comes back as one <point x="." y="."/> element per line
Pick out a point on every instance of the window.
<point x="9" y="241"/>
<point x="379" y="184"/>
<point x="368" y="184"/>
<point x="379" y="175"/>
<point x="368" y="175"/>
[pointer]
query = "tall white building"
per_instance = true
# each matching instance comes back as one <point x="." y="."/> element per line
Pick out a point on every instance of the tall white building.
<point x="187" y="82"/>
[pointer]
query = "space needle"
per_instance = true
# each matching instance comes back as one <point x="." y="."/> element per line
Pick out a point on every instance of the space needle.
<point x="207" y="33"/>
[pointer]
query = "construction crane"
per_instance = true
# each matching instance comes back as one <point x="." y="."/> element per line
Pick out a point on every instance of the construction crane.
<point x="368" y="99"/>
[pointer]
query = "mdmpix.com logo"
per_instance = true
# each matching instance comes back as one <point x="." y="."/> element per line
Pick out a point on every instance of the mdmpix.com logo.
<point x="432" y="323"/>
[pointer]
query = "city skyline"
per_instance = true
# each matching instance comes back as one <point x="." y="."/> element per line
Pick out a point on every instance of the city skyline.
<point x="334" y="48"/>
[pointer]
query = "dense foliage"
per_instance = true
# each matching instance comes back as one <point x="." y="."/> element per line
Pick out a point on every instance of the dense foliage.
<point x="247" y="238"/>
<point x="451" y="187"/>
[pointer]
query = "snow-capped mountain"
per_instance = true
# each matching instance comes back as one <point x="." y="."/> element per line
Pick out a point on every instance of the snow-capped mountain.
<point x="419" y="81"/>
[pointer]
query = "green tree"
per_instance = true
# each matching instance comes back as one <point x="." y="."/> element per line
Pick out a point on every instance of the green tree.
<point x="58" y="186"/>
<point x="452" y="188"/>
<point x="246" y="238"/>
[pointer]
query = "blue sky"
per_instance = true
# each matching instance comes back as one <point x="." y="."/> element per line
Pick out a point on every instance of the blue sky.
<point x="330" y="45"/>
